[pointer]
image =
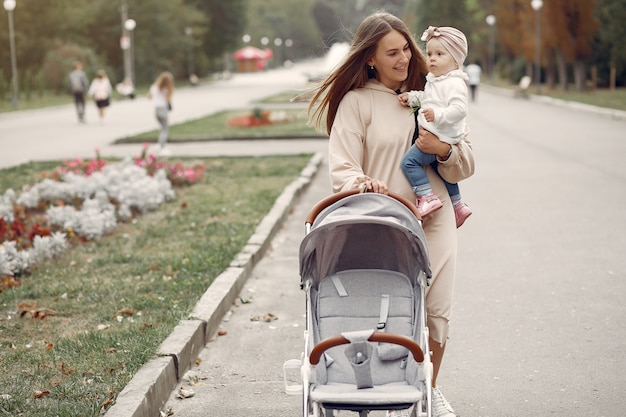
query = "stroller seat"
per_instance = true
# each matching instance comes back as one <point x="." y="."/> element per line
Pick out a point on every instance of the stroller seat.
<point x="357" y="300"/>
<point x="380" y="395"/>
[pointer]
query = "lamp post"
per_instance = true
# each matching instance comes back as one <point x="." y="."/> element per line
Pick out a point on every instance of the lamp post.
<point x="536" y="5"/>
<point x="9" y="6"/>
<point x="491" y="21"/>
<point x="130" y="26"/>
<point x="279" y="51"/>
<point x="125" y="40"/>
<point x="190" y="63"/>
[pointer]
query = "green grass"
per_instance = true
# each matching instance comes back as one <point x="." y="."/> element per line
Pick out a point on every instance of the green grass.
<point x="156" y="267"/>
<point x="599" y="97"/>
<point x="215" y="127"/>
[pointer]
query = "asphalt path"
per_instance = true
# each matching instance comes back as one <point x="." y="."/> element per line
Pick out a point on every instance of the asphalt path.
<point x="539" y="325"/>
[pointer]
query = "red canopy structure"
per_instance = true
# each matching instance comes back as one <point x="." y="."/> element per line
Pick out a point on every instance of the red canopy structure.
<point x="250" y="59"/>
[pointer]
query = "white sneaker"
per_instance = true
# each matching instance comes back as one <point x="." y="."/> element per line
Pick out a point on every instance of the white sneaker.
<point x="441" y="407"/>
<point x="398" y="413"/>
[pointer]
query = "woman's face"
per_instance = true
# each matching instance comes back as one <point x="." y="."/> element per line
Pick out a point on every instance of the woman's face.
<point x="391" y="60"/>
<point x="439" y="60"/>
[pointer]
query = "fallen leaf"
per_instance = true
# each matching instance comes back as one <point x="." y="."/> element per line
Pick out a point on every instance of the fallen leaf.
<point x="124" y="311"/>
<point x="41" y="394"/>
<point x="222" y="332"/>
<point x="269" y="317"/>
<point x="185" y="393"/>
<point x="66" y="371"/>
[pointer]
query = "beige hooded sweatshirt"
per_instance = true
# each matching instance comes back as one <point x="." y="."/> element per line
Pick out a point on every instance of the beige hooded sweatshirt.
<point x="371" y="133"/>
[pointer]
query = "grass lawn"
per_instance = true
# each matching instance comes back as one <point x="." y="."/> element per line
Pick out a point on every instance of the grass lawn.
<point x="600" y="97"/>
<point x="215" y="127"/>
<point x="113" y="301"/>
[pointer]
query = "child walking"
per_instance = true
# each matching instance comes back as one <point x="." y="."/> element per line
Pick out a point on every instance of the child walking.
<point x="441" y="109"/>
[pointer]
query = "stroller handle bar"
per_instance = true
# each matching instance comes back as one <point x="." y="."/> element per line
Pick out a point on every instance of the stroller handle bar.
<point x="383" y="337"/>
<point x="338" y="196"/>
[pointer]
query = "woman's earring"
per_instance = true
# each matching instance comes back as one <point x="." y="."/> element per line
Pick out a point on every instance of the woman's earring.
<point x="371" y="72"/>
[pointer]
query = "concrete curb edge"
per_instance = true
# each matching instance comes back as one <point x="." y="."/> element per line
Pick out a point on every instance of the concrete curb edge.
<point x="150" y="388"/>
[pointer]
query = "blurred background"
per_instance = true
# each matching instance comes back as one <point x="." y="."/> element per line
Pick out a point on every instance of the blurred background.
<point x="564" y="44"/>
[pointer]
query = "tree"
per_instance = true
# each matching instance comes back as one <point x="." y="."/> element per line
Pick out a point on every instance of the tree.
<point x="286" y="20"/>
<point x="226" y="21"/>
<point x="610" y="39"/>
<point x="569" y="36"/>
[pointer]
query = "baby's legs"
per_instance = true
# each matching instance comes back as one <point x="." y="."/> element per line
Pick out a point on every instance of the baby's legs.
<point x="413" y="165"/>
<point x="453" y="190"/>
<point x="461" y="210"/>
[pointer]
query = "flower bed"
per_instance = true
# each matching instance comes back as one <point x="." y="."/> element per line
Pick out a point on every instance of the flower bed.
<point x="81" y="201"/>
<point x="258" y="118"/>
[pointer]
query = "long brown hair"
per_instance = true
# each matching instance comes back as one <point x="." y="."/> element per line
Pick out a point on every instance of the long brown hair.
<point x="354" y="71"/>
<point x="165" y="82"/>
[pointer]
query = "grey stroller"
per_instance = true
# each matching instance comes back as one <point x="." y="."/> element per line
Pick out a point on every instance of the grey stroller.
<point x="364" y="267"/>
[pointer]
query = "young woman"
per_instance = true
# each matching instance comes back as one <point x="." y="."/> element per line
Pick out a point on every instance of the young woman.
<point x="161" y="95"/>
<point x="370" y="131"/>
<point x="100" y="90"/>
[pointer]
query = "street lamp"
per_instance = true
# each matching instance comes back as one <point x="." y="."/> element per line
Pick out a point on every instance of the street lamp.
<point x="279" y="51"/>
<point x="536" y="5"/>
<point x="9" y="6"/>
<point x="190" y="65"/>
<point x="491" y="21"/>
<point x="125" y="41"/>
<point x="130" y="26"/>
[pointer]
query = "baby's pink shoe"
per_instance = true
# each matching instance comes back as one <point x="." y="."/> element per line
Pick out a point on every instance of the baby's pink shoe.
<point x="428" y="203"/>
<point x="461" y="213"/>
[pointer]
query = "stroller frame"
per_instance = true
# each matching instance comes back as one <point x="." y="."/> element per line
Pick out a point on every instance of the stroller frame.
<point x="364" y="268"/>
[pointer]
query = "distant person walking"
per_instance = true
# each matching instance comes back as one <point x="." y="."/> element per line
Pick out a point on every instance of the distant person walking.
<point x="473" y="72"/>
<point x="160" y="93"/>
<point x="79" y="84"/>
<point x="100" y="90"/>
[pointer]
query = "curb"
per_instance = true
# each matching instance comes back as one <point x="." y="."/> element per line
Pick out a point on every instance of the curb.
<point x="152" y="385"/>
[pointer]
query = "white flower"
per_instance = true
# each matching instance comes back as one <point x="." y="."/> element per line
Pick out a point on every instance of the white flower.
<point x="414" y="100"/>
<point x="127" y="184"/>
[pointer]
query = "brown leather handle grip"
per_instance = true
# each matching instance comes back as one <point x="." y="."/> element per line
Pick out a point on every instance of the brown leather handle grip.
<point x="384" y="337"/>
<point x="333" y="198"/>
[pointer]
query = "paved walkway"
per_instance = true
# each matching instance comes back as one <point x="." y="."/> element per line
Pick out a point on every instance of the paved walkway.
<point x="539" y="325"/>
<point x="54" y="133"/>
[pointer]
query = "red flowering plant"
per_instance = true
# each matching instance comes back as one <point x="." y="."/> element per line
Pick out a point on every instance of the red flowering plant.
<point x="178" y="174"/>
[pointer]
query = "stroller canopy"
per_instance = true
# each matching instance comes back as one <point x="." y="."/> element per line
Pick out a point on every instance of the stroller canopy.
<point x="364" y="231"/>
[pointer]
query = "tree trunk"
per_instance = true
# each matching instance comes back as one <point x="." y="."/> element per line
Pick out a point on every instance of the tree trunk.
<point x="549" y="70"/>
<point x="612" y="76"/>
<point x="580" y="75"/>
<point x="562" y="68"/>
<point x="594" y="77"/>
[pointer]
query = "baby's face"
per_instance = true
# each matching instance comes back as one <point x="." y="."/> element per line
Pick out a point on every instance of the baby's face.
<point x="439" y="60"/>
